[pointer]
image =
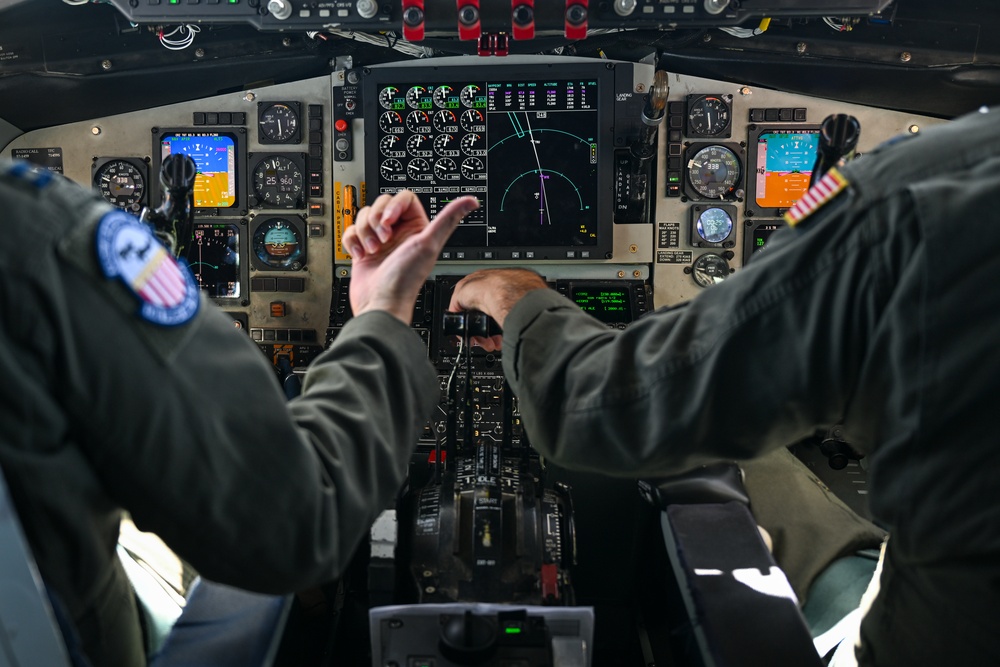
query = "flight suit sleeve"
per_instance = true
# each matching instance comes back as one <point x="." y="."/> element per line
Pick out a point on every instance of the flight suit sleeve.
<point x="757" y="362"/>
<point x="188" y="429"/>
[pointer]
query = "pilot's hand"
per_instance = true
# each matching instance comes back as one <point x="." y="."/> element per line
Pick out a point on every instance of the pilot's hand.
<point x="394" y="247"/>
<point x="494" y="292"/>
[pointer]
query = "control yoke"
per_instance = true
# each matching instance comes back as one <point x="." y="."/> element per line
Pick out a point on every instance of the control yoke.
<point x="173" y="221"/>
<point x="838" y="137"/>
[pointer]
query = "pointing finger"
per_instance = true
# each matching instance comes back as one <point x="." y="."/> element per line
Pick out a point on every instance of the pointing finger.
<point x="444" y="223"/>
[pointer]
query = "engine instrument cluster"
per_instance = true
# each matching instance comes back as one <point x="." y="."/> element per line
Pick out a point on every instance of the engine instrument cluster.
<point x="533" y="143"/>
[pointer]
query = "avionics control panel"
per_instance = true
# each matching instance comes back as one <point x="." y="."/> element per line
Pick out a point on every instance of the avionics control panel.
<point x="533" y="142"/>
<point x="472" y="19"/>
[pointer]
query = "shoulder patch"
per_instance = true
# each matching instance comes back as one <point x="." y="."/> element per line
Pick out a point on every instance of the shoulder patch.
<point x="24" y="171"/>
<point x="828" y="187"/>
<point x="126" y="248"/>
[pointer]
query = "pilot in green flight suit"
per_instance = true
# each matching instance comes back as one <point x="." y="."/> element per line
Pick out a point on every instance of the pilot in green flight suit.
<point x="124" y="388"/>
<point x="879" y="308"/>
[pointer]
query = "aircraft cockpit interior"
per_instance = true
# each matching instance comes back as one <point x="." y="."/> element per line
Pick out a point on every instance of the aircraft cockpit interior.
<point x="634" y="153"/>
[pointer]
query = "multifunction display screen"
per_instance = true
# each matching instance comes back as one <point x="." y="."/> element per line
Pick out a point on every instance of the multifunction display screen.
<point x="784" y="166"/>
<point x="531" y="149"/>
<point x="610" y="305"/>
<point x="214" y="155"/>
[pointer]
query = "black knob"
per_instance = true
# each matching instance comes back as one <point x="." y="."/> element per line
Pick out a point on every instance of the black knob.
<point x="468" y="639"/>
<point x="523" y="15"/>
<point x="413" y="16"/>
<point x="576" y="14"/>
<point x="468" y="15"/>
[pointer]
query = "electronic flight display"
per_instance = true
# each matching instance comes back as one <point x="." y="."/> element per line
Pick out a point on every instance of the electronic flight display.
<point x="536" y="150"/>
<point x="783" y="163"/>
<point x="214" y="258"/>
<point x="215" y="156"/>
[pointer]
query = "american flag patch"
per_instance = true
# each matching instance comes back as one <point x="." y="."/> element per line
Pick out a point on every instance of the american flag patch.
<point x="825" y="189"/>
<point x="127" y="249"/>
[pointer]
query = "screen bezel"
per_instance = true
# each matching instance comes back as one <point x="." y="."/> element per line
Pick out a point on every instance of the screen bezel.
<point x="243" y="252"/>
<point x="751" y="165"/>
<point x="751" y="231"/>
<point x="237" y="134"/>
<point x="603" y="72"/>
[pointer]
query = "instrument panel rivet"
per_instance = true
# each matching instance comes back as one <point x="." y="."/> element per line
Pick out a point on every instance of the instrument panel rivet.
<point x="95" y="130"/>
<point x="199" y="53"/>
<point x="914" y="129"/>
<point x="640" y="87"/>
<point x="801" y="47"/>
<point x="621" y="274"/>
<point x="746" y="90"/>
<point x="249" y="97"/>
<point x="905" y="57"/>
<point x="106" y="65"/>
<point x="637" y="273"/>
<point x="633" y="248"/>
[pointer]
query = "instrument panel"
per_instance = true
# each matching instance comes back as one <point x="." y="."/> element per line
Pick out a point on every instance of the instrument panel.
<point x="544" y="142"/>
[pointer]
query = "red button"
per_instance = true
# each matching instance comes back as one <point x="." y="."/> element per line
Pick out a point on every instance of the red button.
<point x="340" y="125"/>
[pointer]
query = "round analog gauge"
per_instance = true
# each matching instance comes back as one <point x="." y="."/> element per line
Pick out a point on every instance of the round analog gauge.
<point x="446" y="145"/>
<point x="418" y="121"/>
<point x="419" y="145"/>
<point x="391" y="170"/>
<point x="278" y="123"/>
<point x="445" y="121"/>
<point x="473" y="144"/>
<point x="121" y="183"/>
<point x="708" y="116"/>
<point x="714" y="172"/>
<point x="419" y="169"/>
<point x="415" y="97"/>
<point x="714" y="225"/>
<point x="442" y="95"/>
<point x="391" y="145"/>
<point x="469" y="95"/>
<point x="710" y="269"/>
<point x="387" y="97"/>
<point x="279" y="244"/>
<point x="278" y="182"/>
<point x="391" y="122"/>
<point x="473" y="169"/>
<point x="445" y="169"/>
<point x="473" y="121"/>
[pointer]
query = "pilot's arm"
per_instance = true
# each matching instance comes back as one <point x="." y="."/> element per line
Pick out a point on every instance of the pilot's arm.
<point x="125" y="388"/>
<point x="754" y="363"/>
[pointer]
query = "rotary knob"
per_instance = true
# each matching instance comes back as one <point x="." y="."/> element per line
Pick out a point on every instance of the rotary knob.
<point x="279" y="9"/>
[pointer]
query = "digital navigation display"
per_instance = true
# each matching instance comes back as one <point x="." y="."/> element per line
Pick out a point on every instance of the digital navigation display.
<point x="214" y="154"/>
<point x="214" y="258"/>
<point x="784" y="166"/>
<point x="608" y="304"/>
<point x="535" y="150"/>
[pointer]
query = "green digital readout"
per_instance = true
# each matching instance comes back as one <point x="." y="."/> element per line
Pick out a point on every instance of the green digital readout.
<point x="606" y="304"/>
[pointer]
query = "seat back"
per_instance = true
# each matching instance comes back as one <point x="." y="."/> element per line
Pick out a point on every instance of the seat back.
<point x="29" y="633"/>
